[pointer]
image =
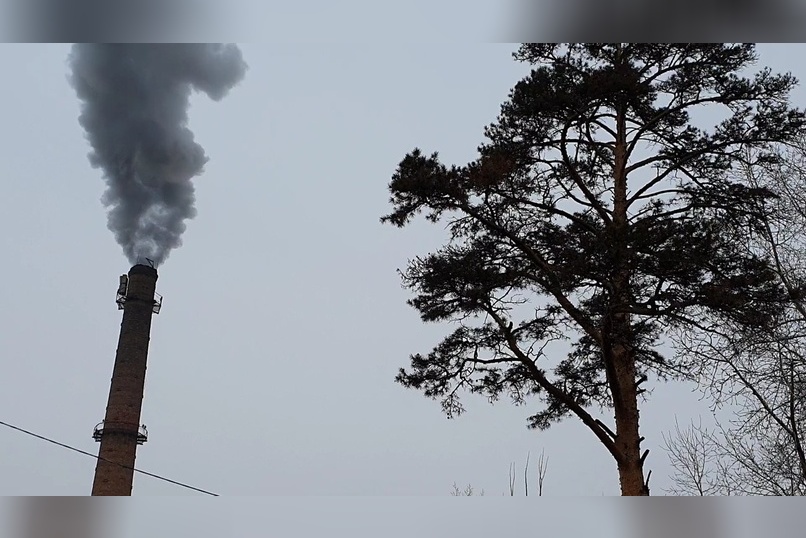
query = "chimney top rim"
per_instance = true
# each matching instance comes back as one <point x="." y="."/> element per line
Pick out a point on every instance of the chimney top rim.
<point x="142" y="269"/>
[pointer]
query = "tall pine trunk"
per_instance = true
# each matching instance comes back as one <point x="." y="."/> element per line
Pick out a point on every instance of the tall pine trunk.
<point x="619" y="351"/>
<point x="628" y="440"/>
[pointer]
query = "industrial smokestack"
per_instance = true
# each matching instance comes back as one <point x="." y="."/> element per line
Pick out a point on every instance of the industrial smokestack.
<point x="121" y="431"/>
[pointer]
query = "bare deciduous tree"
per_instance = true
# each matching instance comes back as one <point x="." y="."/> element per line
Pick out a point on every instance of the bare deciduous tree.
<point x="542" y="467"/>
<point x="762" y="373"/>
<point x="694" y="454"/>
<point x="467" y="492"/>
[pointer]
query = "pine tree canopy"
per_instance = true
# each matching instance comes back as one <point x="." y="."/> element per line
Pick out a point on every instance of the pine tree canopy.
<point x="603" y="211"/>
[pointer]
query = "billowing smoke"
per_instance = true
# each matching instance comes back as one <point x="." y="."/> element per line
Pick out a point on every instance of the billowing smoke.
<point x="135" y="100"/>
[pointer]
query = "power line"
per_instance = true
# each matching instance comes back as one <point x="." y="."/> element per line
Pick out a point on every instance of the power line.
<point x="74" y="449"/>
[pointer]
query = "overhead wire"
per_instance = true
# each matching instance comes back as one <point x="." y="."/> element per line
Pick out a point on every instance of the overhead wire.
<point x="74" y="449"/>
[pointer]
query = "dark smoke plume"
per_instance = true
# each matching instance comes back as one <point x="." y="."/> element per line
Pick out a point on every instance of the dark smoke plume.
<point x="135" y="101"/>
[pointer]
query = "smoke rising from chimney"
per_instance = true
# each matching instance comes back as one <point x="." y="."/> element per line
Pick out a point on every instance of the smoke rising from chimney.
<point x="134" y="111"/>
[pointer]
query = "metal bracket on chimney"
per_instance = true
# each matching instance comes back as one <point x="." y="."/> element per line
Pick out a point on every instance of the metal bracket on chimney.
<point x="98" y="432"/>
<point x="123" y="288"/>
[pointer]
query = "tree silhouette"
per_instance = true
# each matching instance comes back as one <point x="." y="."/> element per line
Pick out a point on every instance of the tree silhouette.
<point x="600" y="213"/>
<point x="761" y="450"/>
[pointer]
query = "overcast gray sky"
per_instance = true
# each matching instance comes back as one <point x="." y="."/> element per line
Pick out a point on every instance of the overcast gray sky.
<point x="272" y="362"/>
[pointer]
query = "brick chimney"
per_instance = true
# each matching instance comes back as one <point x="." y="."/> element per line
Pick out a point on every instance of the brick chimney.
<point x="121" y="432"/>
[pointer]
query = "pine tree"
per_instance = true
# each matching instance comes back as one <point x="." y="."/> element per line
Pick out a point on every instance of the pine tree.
<point x="601" y="213"/>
